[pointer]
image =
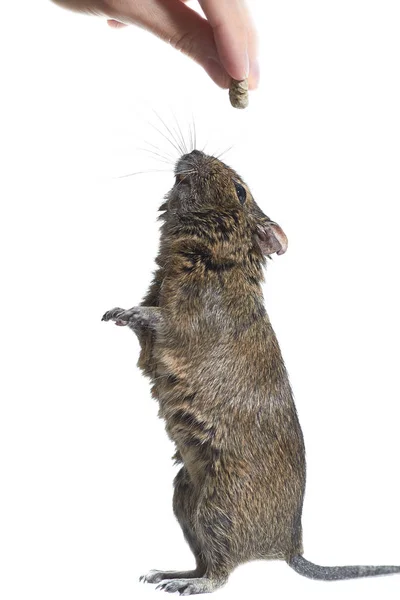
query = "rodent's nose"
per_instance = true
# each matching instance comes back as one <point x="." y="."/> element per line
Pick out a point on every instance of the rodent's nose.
<point x="191" y="161"/>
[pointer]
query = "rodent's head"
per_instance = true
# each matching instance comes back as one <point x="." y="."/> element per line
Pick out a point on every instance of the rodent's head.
<point x="208" y="193"/>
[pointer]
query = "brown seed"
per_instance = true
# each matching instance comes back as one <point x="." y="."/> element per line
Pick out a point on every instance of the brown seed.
<point x="238" y="93"/>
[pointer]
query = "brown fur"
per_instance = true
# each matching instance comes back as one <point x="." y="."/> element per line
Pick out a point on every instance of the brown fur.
<point x="219" y="378"/>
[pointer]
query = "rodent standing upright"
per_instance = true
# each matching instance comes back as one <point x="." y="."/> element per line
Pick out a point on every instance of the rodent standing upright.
<point x="220" y="380"/>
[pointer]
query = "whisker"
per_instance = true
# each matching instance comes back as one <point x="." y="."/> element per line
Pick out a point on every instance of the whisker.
<point x="176" y="140"/>
<point x="167" y="138"/>
<point x="165" y="153"/>
<point x="142" y="172"/>
<point x="185" y="172"/>
<point x="191" y="137"/>
<point x="194" y="132"/>
<point x="160" y="154"/>
<point x="181" y="135"/>
<point x="224" y="152"/>
<point x="181" y="140"/>
<point x="178" y="132"/>
<point x="157" y="156"/>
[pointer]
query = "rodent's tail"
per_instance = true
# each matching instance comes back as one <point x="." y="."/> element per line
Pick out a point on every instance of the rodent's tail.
<point x="308" y="569"/>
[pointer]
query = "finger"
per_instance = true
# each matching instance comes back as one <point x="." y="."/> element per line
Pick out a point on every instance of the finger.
<point x="229" y="22"/>
<point x="252" y="49"/>
<point x="115" y="24"/>
<point x="181" y="27"/>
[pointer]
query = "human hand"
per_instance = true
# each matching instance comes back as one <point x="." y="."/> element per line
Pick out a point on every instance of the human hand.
<point x="224" y="44"/>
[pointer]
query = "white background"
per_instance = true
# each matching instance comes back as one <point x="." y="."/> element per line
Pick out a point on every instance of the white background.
<point x="86" y="475"/>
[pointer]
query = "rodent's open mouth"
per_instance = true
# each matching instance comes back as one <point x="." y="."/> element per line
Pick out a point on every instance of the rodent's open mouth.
<point x="182" y="178"/>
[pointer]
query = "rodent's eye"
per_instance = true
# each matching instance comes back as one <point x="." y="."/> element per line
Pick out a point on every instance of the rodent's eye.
<point x="241" y="192"/>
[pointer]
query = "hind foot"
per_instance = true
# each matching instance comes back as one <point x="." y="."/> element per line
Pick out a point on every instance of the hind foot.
<point x="186" y="587"/>
<point x="155" y="576"/>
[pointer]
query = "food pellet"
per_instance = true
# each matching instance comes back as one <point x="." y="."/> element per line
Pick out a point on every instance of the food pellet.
<point x="238" y="93"/>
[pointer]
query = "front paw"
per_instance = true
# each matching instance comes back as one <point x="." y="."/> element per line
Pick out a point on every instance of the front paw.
<point x="134" y="317"/>
<point x="137" y="318"/>
<point x="114" y="315"/>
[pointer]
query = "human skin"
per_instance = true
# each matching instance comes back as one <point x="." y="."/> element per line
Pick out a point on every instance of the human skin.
<point x="224" y="43"/>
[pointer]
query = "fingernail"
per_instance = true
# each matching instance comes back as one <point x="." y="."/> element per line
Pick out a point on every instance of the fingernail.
<point x="246" y="66"/>
<point x="254" y="77"/>
<point x="240" y="68"/>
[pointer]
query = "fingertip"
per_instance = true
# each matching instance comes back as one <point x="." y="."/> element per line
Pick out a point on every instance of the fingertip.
<point x="236" y="63"/>
<point x="217" y="73"/>
<point x="233" y="54"/>
<point x="241" y="68"/>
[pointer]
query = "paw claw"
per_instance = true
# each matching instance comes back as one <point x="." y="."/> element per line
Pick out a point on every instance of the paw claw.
<point x="173" y="586"/>
<point x="112" y="314"/>
<point x="153" y="576"/>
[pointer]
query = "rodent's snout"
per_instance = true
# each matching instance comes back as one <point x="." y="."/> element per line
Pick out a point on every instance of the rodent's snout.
<point x="191" y="171"/>
<point x="195" y="153"/>
<point x="190" y="163"/>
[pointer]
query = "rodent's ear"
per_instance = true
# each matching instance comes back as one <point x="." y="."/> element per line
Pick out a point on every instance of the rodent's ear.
<point x="271" y="238"/>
